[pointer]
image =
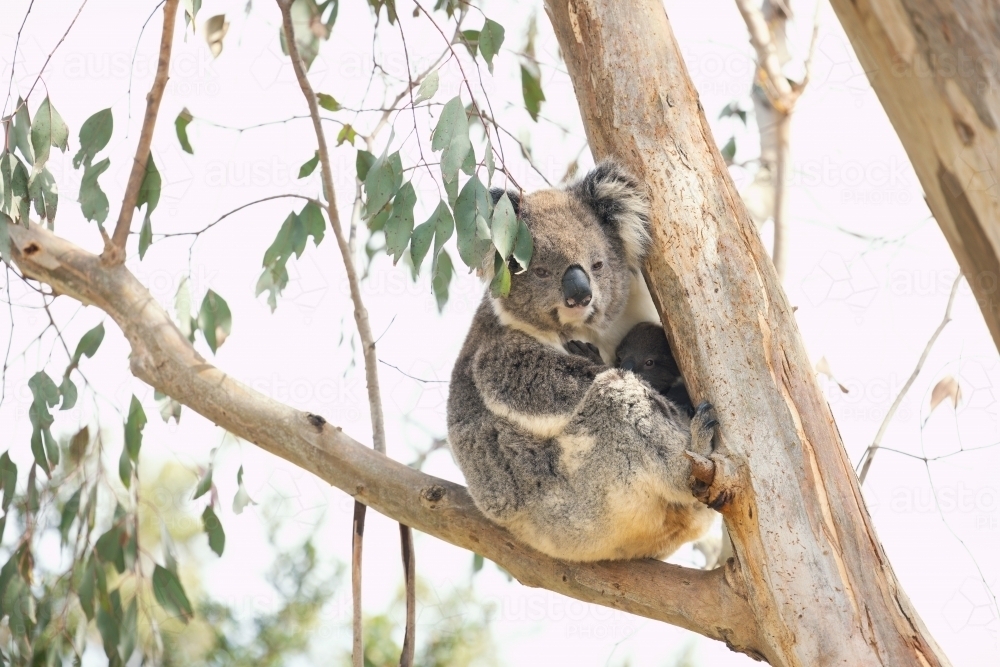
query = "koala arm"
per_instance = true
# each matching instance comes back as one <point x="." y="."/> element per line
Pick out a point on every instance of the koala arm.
<point x="527" y="378"/>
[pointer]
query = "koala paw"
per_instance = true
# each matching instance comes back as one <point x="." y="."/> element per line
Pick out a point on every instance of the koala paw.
<point x="585" y="350"/>
<point x="707" y="482"/>
<point x="703" y="425"/>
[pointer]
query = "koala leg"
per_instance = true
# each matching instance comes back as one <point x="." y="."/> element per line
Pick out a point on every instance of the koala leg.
<point x="623" y="488"/>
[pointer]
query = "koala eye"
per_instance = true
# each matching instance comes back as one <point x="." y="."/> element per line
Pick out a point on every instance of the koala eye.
<point x="598" y="266"/>
<point x="649" y="363"/>
<point x="542" y="273"/>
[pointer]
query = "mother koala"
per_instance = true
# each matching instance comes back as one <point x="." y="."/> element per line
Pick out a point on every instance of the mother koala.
<point x="580" y="461"/>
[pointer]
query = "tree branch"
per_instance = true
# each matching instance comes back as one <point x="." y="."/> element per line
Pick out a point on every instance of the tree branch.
<point x="876" y="443"/>
<point x="710" y="603"/>
<point x="114" y="252"/>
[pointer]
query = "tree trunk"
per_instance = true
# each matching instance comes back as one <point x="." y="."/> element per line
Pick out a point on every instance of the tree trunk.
<point x="807" y="557"/>
<point x="934" y="66"/>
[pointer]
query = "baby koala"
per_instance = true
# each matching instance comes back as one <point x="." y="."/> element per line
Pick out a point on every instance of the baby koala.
<point x="646" y="352"/>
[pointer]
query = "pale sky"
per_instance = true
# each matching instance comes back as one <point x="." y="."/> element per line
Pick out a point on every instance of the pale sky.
<point x="869" y="273"/>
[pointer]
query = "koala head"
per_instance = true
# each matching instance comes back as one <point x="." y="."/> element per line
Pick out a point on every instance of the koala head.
<point x="645" y="351"/>
<point x="589" y="240"/>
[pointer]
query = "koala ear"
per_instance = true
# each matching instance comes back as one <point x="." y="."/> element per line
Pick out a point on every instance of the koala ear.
<point x="513" y="195"/>
<point x="620" y="202"/>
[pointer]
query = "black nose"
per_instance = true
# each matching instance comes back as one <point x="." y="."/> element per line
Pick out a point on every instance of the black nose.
<point x="576" y="287"/>
<point x="628" y="365"/>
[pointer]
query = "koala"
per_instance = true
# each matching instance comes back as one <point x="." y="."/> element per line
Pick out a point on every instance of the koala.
<point x="646" y="352"/>
<point x="578" y="460"/>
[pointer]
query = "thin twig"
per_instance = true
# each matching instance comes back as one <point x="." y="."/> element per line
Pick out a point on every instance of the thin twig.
<point x="13" y="58"/>
<point x="357" y="541"/>
<point x="409" y="576"/>
<point x="135" y="52"/>
<point x="360" y="312"/>
<point x="52" y="52"/>
<point x="115" y="253"/>
<point x="876" y="443"/>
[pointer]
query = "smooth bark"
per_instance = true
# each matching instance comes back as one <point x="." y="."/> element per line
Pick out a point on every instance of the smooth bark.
<point x="935" y="66"/>
<point x="817" y="579"/>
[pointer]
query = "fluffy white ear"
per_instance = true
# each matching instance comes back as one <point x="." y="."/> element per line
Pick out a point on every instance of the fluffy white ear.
<point x="620" y="202"/>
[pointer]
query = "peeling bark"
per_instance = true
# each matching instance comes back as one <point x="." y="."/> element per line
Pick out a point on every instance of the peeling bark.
<point x="819" y="584"/>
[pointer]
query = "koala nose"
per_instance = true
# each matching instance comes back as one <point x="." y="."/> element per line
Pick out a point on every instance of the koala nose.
<point x="628" y="365"/>
<point x="576" y="287"/>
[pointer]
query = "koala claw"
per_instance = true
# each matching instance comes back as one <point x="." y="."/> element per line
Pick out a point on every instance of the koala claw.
<point x="703" y="426"/>
<point x="586" y="350"/>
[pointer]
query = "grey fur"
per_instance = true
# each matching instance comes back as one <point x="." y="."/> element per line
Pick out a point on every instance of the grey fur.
<point x="581" y="461"/>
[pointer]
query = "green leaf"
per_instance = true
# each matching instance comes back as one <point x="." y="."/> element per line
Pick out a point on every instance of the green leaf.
<point x="129" y="630"/>
<point x="488" y="158"/>
<point x="504" y="227"/>
<point x="125" y="469"/>
<point x="170" y="594"/>
<point x="43" y="389"/>
<point x="89" y="342"/>
<point x="327" y="102"/>
<point x="423" y="234"/>
<point x="381" y="183"/>
<point x="399" y="226"/>
<point x="22" y="132"/>
<point x="215" y="320"/>
<point x="181" y="123"/>
<point x="48" y="129"/>
<point x="134" y="425"/>
<point x="363" y="163"/>
<point x="88" y="587"/>
<point x="204" y="484"/>
<point x="68" y="392"/>
<point x="313" y="223"/>
<point x="191" y="8"/>
<point x="443" y="271"/>
<point x="531" y="89"/>
<point x="473" y="204"/>
<point x="109" y="547"/>
<point x="523" y="247"/>
<point x="145" y="235"/>
<point x="213" y="527"/>
<point x="500" y="285"/>
<point x="44" y="192"/>
<point x="69" y="512"/>
<point x="93" y="201"/>
<point x="51" y="448"/>
<point x="471" y="40"/>
<point x="346" y="134"/>
<point x="95" y="133"/>
<point x="309" y="166"/>
<point x="490" y="40"/>
<point x="149" y="191"/>
<point x="167" y="407"/>
<point x="21" y="196"/>
<point x="8" y="479"/>
<point x="439" y="226"/>
<point x="451" y="137"/>
<point x="477" y="563"/>
<point x="5" y="237"/>
<point x="729" y="150"/>
<point x="428" y="88"/>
